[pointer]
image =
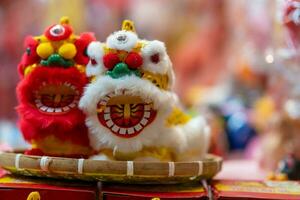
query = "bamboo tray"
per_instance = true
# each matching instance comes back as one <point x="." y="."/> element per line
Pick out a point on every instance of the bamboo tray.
<point x="111" y="171"/>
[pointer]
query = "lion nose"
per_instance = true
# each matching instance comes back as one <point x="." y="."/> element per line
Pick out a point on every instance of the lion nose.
<point x="117" y="67"/>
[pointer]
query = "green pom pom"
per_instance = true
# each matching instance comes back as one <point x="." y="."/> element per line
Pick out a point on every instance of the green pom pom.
<point x="121" y="69"/>
<point x="57" y="60"/>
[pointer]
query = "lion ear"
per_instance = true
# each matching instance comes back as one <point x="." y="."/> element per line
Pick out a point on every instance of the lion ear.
<point x="95" y="52"/>
<point x="156" y="59"/>
<point x="154" y="51"/>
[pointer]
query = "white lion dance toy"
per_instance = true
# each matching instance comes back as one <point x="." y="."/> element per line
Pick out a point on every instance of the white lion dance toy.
<point x="131" y="111"/>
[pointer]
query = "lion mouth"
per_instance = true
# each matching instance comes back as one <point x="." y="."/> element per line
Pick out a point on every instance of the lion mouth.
<point x="56" y="98"/>
<point x="125" y="115"/>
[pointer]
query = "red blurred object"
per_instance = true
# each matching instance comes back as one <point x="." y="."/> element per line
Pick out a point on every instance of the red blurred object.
<point x="110" y="60"/>
<point x="13" y="188"/>
<point x="145" y="192"/>
<point x="291" y="20"/>
<point x="81" y="45"/>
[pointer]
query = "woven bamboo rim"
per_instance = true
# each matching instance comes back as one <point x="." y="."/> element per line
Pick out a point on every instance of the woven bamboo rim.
<point x="109" y="170"/>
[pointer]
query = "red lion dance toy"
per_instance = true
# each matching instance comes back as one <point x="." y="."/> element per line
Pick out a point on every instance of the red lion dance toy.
<point x="52" y="79"/>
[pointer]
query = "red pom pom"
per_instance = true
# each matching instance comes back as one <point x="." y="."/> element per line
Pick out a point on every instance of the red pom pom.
<point x="110" y="60"/>
<point x="134" y="60"/>
<point x="81" y="45"/>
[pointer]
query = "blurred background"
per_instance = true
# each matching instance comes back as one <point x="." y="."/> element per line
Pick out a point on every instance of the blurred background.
<point x="230" y="58"/>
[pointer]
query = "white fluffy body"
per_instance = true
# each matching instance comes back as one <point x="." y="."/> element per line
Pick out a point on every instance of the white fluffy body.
<point x="130" y="40"/>
<point x="197" y="134"/>
<point x="95" y="51"/>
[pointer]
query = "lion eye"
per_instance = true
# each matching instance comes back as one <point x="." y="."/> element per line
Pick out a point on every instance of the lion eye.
<point x="28" y="51"/>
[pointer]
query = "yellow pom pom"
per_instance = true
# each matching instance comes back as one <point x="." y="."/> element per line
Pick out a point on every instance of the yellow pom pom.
<point x="68" y="51"/>
<point x="81" y="68"/>
<point x="64" y="20"/>
<point x="44" y="50"/>
<point x="29" y="69"/>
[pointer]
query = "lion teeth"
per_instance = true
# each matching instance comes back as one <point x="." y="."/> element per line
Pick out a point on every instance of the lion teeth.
<point x="146" y="114"/>
<point x="38" y="103"/>
<point x="115" y="128"/>
<point x="68" y="84"/>
<point x="57" y="110"/>
<point x="144" y="121"/>
<point x="50" y="109"/>
<point x="109" y="123"/>
<point x="147" y="108"/>
<point x="122" y="131"/>
<point x="66" y="108"/>
<point x="107" y="116"/>
<point x="72" y="105"/>
<point x="138" y="127"/>
<point x="43" y="108"/>
<point x="130" y="130"/>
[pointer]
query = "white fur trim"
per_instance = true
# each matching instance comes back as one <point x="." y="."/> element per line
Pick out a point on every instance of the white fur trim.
<point x="197" y="134"/>
<point x="100" y="156"/>
<point x="156" y="47"/>
<point x="95" y="52"/>
<point x="171" y="76"/>
<point x="130" y="40"/>
<point x="101" y="137"/>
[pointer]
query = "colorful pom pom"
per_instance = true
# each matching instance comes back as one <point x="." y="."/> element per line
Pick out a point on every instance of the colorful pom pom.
<point x="44" y="50"/>
<point x="67" y="51"/>
<point x="134" y="60"/>
<point x="110" y="60"/>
